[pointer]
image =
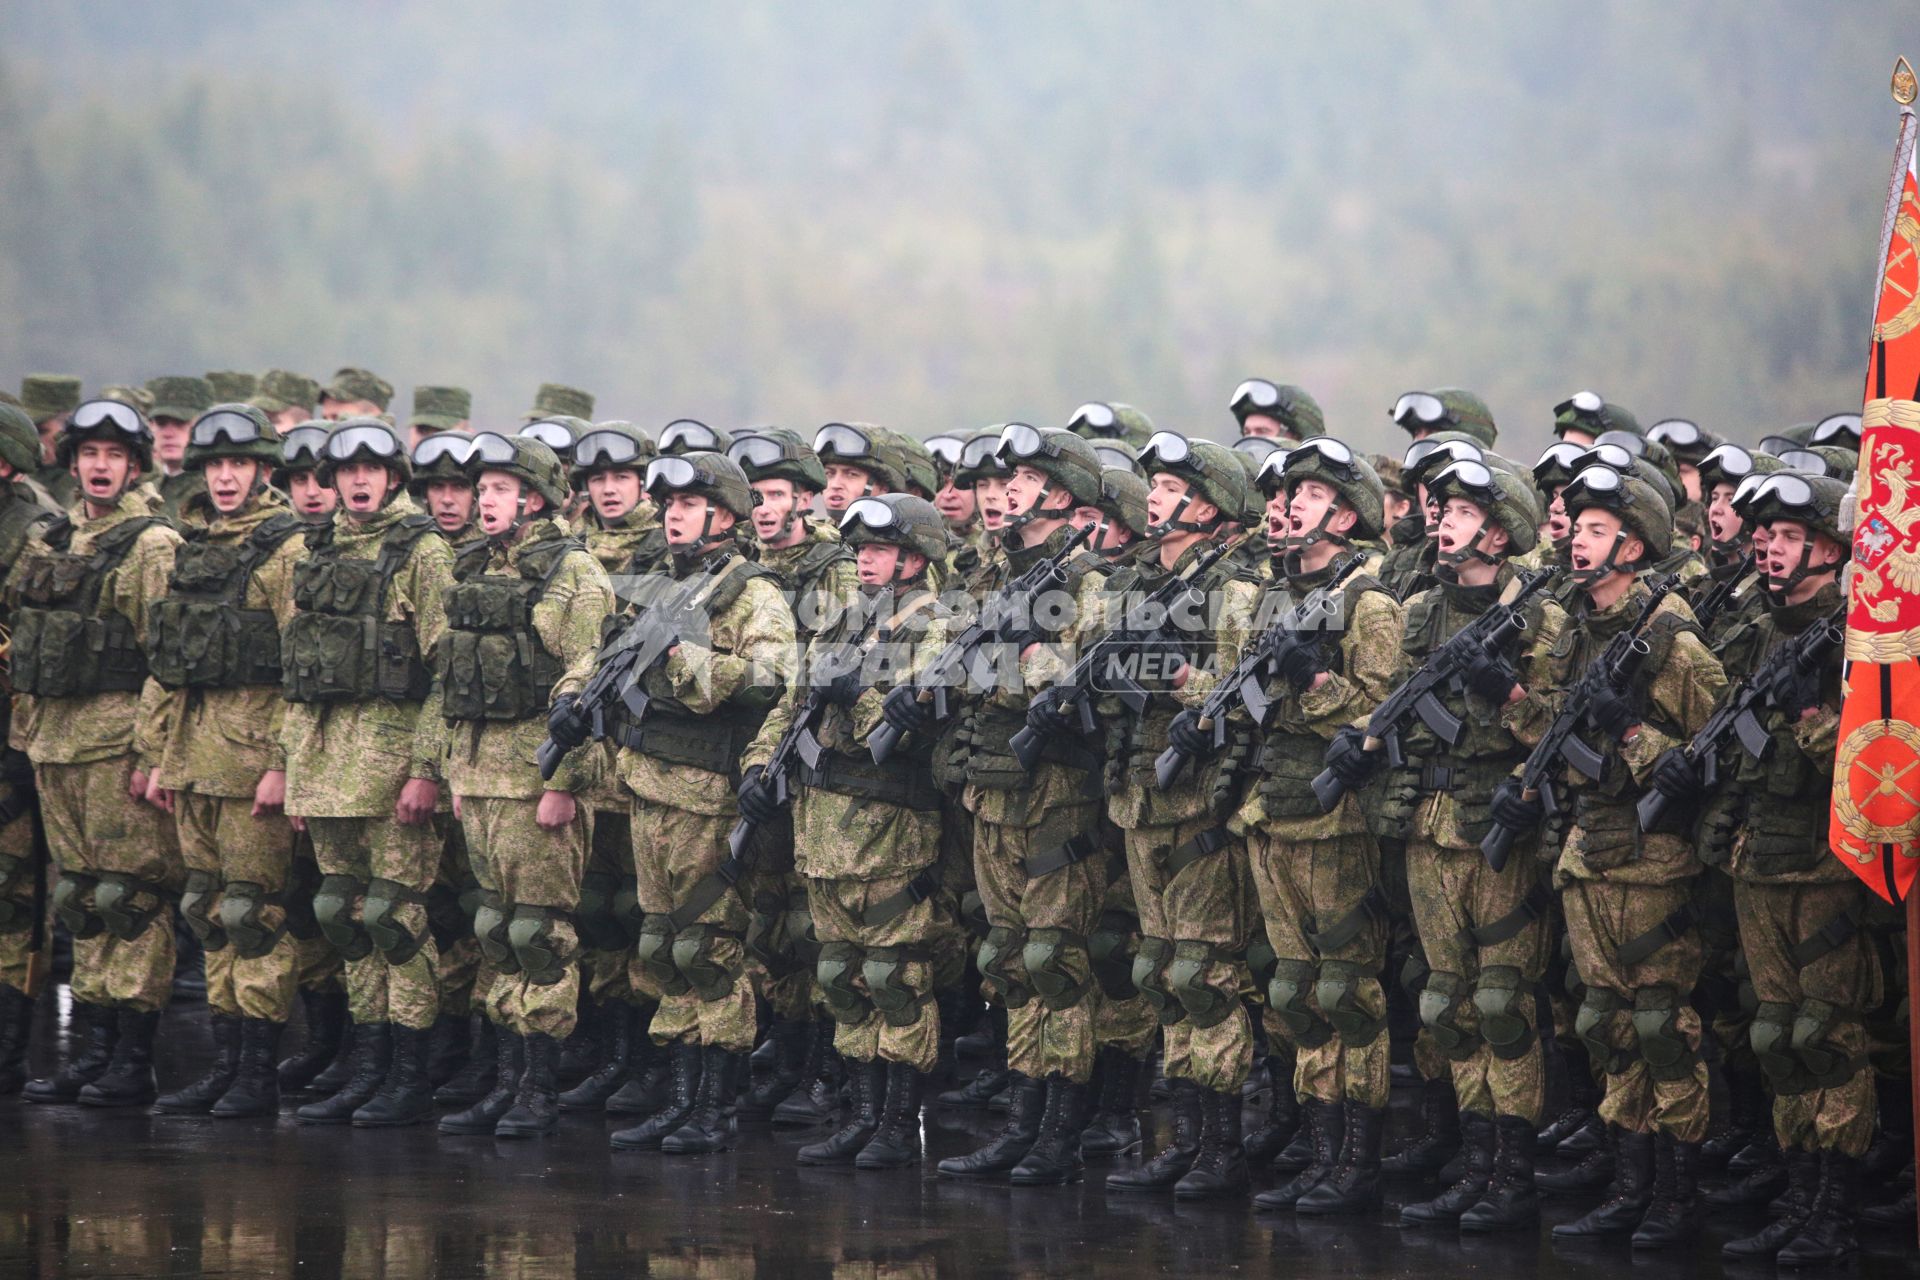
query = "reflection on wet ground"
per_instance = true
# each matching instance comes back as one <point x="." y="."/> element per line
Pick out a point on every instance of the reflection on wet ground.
<point x="125" y="1194"/>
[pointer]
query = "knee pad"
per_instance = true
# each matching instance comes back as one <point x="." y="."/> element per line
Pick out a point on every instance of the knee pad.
<point x="241" y="909"/>
<point x="16" y="901"/>
<point x="1261" y="957"/>
<point x="544" y="952"/>
<point x="803" y="943"/>
<point x="1504" y="1000"/>
<point x="997" y="950"/>
<point x="839" y="964"/>
<point x="333" y="912"/>
<point x="197" y="908"/>
<point x="1440" y="1009"/>
<point x="627" y="912"/>
<point x="885" y="969"/>
<point x="1206" y="1005"/>
<point x="385" y="899"/>
<point x="1816" y="1044"/>
<point x="1771" y="1036"/>
<point x="128" y="904"/>
<point x="693" y="957"/>
<point x="447" y="921"/>
<point x="490" y="927"/>
<point x="1108" y="954"/>
<point x="1049" y="956"/>
<point x="1590" y="1022"/>
<point x="1338" y="992"/>
<point x="1289" y="995"/>
<point x="1414" y="973"/>
<point x="973" y="913"/>
<point x="1656" y="1021"/>
<point x="653" y="950"/>
<point x="1150" y="964"/>
<point x="599" y="929"/>
<point x="764" y="941"/>
<point x="73" y="905"/>
<point x="303" y="881"/>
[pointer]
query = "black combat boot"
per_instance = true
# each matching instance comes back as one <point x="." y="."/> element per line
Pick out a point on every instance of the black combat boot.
<point x="255" y="1090"/>
<point x="16" y="1027"/>
<point x="1897" y="1213"/>
<point x="789" y="1042"/>
<point x="1115" y="1123"/>
<point x="1219" y="1170"/>
<point x="710" y="1126"/>
<point x="198" y="1098"/>
<point x="509" y="1061"/>
<point x="1827" y="1238"/>
<point x="1477" y="1144"/>
<point x="616" y="1056"/>
<point x="326" y="1014"/>
<point x="473" y="1081"/>
<point x="1803" y="1184"/>
<point x="1010" y="1146"/>
<point x="685" y="1061"/>
<point x="1674" y="1216"/>
<point x="406" y="1095"/>
<point x="1512" y="1201"/>
<point x="1628" y="1195"/>
<point x="896" y="1143"/>
<point x="1585" y="1140"/>
<point x="536" y="1106"/>
<point x="649" y="1073"/>
<point x="1325" y="1128"/>
<point x="334" y="1076"/>
<point x="1892" y="1147"/>
<point x="1183" y="1145"/>
<point x="816" y="1099"/>
<point x="868" y="1081"/>
<point x="1054" y="1158"/>
<point x="1354" y="1185"/>
<point x="1764" y="1178"/>
<point x="93" y="1031"/>
<point x="988" y="1039"/>
<point x="449" y="1048"/>
<point x="1583" y="1099"/>
<point x="1594" y="1171"/>
<point x="580" y="1051"/>
<point x="1763" y="1153"/>
<point x="1439" y="1139"/>
<point x="128" y="1079"/>
<point x="1282" y="1124"/>
<point x="372" y="1054"/>
<point x="985" y="1085"/>
<point x="1747" y="1114"/>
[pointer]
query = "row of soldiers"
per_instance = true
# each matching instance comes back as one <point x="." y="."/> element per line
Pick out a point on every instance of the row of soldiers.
<point x="701" y="780"/>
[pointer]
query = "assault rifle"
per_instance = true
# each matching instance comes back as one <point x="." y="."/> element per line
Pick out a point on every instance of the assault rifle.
<point x="1612" y="669"/>
<point x="1722" y="593"/>
<point x="1099" y="669"/>
<point x="1737" y="718"/>
<point x="1245" y="685"/>
<point x="1418" y="696"/>
<point x="1007" y="615"/>
<point x="625" y="657"/>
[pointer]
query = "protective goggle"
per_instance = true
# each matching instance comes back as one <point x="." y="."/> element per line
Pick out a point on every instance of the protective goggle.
<point x="557" y="436"/>
<point x="1804" y="460"/>
<point x="1169" y="448"/>
<point x="302" y="444"/>
<point x="1729" y="460"/>
<point x="980" y="451"/>
<point x="1598" y="485"/>
<point x="687" y="435"/>
<point x="1255" y="395"/>
<point x="1784" y="488"/>
<point x="443" y="444"/>
<point x="1019" y="440"/>
<point x="1586" y="404"/>
<point x="1835" y="425"/>
<point x="95" y="414"/>
<point x="1256" y="447"/>
<point x="674" y="473"/>
<point x="1112" y="459"/>
<point x="1419" y="406"/>
<point x="1777" y="445"/>
<point x="1744" y="491"/>
<point x="373" y="438"/>
<point x="1677" y="433"/>
<point x="491" y="449"/>
<point x="605" y="449"/>
<point x="757" y="452"/>
<point x="1605" y="455"/>
<point x="1465" y="476"/>
<point x="1272" y="472"/>
<point x="1324" y="449"/>
<point x="1422" y="454"/>
<point x="871" y="512"/>
<point x="841" y="440"/>
<point x="1558" y="459"/>
<point x="234" y="428"/>
<point x="945" y="450"/>
<point x="1097" y="418"/>
<point x="1633" y="444"/>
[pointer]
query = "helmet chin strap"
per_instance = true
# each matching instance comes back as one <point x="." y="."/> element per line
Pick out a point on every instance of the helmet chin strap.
<point x="1452" y="561"/>
<point x="1729" y="551"/>
<point x="1296" y="543"/>
<point x="1174" y="524"/>
<point x="1778" y="589"/>
<point x="1595" y="573"/>
<point x="1013" y="524"/>
<point x="707" y="540"/>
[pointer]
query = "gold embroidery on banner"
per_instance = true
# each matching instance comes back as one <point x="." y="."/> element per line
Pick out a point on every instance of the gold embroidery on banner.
<point x="1895" y="779"/>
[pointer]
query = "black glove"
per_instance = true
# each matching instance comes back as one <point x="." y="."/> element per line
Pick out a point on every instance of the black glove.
<point x="1049" y="717"/>
<point x="567" y="724"/>
<point x="1298" y="663"/>
<point x="756" y="801"/>
<point x="1611" y="714"/>
<point x="1188" y="737"/>
<point x="1674" y="776"/>
<point x="1513" y="811"/>
<point x="843" y="690"/>
<point x="1794" y="690"/>
<point x="905" y="712"/>
<point x="1350" y="762"/>
<point x="1490" y="676"/>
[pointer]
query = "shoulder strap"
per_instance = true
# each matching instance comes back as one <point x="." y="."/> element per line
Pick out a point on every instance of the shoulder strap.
<point x="394" y="550"/>
<point x="110" y="551"/>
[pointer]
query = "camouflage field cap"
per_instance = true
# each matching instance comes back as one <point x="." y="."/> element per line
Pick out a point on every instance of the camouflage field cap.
<point x="179" y="396"/>
<point x="48" y="395"/>
<point x="440" y="408"/>
<point x="350" y="384"/>
<point x="281" y="389"/>
<point x="557" y="400"/>
<point x="230" y="385"/>
<point x="139" y="397"/>
<point x="19" y="439"/>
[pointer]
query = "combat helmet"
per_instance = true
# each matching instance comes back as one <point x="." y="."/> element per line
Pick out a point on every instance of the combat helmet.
<point x="1507" y="498"/>
<point x="1588" y="411"/>
<point x="689" y="435"/>
<point x="1832" y="460"/>
<point x="1433" y="451"/>
<point x="712" y="475"/>
<point x="774" y="453"/>
<point x="1684" y="438"/>
<point x="1288" y="405"/>
<point x="613" y="445"/>
<point x="1209" y="469"/>
<point x="300" y="450"/>
<point x="232" y="430"/>
<point x="441" y="458"/>
<point x="1334" y="463"/>
<point x="1818" y="502"/>
<point x="865" y="446"/>
<point x="979" y="456"/>
<point x="1117" y="455"/>
<point x="899" y="520"/>
<point x="369" y="439"/>
<point x="526" y="458"/>
<point x="19" y="441"/>
<point x="1111" y="420"/>
<point x="1642" y="512"/>
<point x="916" y="465"/>
<point x="1123" y="496"/>
<point x="1446" y="409"/>
<point x="113" y="421"/>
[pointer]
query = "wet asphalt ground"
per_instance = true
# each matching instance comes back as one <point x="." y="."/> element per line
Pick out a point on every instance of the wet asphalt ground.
<point x="122" y="1193"/>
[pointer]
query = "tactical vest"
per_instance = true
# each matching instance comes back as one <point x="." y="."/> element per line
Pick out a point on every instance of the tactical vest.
<point x="802" y="575"/>
<point x="492" y="662"/>
<point x="63" y="645"/>
<point x="339" y="647"/>
<point x="1786" y="793"/>
<point x="906" y="778"/>
<point x="18" y="517"/>
<point x="201" y="635"/>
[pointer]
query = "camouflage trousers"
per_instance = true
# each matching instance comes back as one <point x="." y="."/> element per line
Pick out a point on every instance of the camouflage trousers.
<point x="97" y="834"/>
<point x="1320" y="901"/>
<point x="1042" y="920"/>
<point x="1485" y="940"/>
<point x="367" y="849"/>
<point x="955" y="939"/>
<point x="697" y="973"/>
<point x="1125" y="1020"/>
<point x="226" y="847"/>
<point x="1197" y="913"/>
<point x="528" y="872"/>
<point x="24" y="885"/>
<point x="317" y="966"/>
<point x="1819" y="999"/>
<point x="606" y="938"/>
<point x="782" y="942"/>
<point x="1406" y="965"/>
<point x="1636" y="1015"/>
<point x="1725" y="996"/>
<point x="889" y="956"/>
<point x="464" y="974"/>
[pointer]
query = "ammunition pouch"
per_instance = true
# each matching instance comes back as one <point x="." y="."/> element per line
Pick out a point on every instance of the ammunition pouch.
<point x="339" y="647"/>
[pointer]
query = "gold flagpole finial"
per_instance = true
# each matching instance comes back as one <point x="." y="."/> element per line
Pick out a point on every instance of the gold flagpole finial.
<point x="1905" y="87"/>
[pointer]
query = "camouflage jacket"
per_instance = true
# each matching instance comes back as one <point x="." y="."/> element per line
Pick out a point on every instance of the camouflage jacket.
<point x="24" y="507"/>
<point x="819" y="576"/>
<point x="630" y="547"/>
